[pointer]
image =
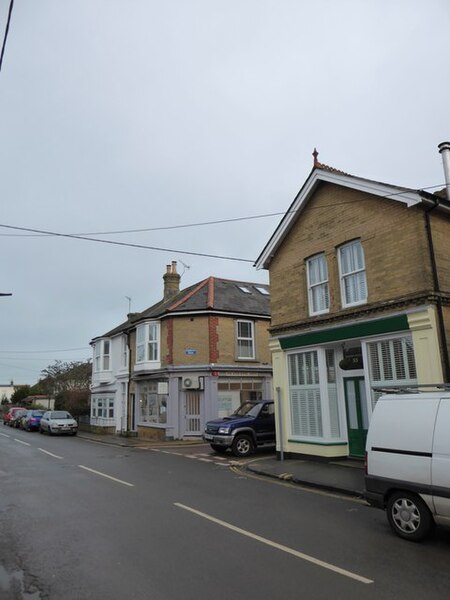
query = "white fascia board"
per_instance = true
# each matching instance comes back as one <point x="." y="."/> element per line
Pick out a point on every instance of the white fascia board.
<point x="406" y="196"/>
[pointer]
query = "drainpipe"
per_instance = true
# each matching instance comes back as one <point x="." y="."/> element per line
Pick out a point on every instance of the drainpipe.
<point x="280" y="423"/>
<point x="437" y="291"/>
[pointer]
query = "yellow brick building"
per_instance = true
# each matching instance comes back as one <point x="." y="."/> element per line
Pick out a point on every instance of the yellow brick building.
<point x="196" y="355"/>
<point x="360" y="296"/>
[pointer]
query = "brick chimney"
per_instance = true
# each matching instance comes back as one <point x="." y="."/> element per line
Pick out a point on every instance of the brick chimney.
<point x="171" y="281"/>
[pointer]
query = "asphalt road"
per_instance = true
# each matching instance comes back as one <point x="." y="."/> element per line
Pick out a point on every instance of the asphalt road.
<point x="80" y="520"/>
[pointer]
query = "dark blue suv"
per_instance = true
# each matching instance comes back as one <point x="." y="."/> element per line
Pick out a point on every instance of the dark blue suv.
<point x="251" y="426"/>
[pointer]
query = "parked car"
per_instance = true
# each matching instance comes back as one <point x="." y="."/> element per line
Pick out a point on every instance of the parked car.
<point x="10" y="413"/>
<point x="58" y="421"/>
<point x="250" y="427"/>
<point x="31" y="420"/>
<point x="408" y="461"/>
<point x="16" y="417"/>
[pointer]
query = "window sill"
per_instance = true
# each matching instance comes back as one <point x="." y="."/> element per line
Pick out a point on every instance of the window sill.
<point x="148" y="365"/>
<point x="317" y="442"/>
<point x="102" y="377"/>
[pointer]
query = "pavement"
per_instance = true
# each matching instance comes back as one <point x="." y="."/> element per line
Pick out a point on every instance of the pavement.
<point x="343" y="476"/>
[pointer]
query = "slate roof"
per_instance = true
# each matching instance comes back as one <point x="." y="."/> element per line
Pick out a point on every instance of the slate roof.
<point x="210" y="295"/>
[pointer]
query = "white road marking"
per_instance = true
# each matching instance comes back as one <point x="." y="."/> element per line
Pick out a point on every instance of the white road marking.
<point x="5" y="435"/>
<point x="107" y="476"/>
<point x="50" y="453"/>
<point x="20" y="442"/>
<point x="306" y="557"/>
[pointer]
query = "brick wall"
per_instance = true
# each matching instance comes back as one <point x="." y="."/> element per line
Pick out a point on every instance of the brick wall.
<point x="392" y="235"/>
<point x="212" y="337"/>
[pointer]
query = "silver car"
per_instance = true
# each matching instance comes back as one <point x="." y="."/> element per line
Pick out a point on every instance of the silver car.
<point x="58" y="421"/>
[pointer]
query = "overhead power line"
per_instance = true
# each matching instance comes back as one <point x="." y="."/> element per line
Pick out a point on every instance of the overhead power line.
<point x="43" y="351"/>
<point x="129" y="245"/>
<point x="5" y="37"/>
<point x="205" y="223"/>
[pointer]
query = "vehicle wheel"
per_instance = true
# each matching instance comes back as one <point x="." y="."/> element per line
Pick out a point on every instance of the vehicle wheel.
<point x="41" y="430"/>
<point x="74" y="433"/>
<point x="49" y="431"/>
<point x="409" y="516"/>
<point x="242" y="445"/>
<point x="219" y="449"/>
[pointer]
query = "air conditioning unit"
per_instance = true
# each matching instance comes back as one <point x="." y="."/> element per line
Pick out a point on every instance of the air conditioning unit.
<point x="191" y="383"/>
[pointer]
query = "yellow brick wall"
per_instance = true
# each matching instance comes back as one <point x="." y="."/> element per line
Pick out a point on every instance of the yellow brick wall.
<point x="394" y="241"/>
<point x="227" y="342"/>
<point x="193" y="332"/>
<point x="188" y="332"/>
<point x="440" y="230"/>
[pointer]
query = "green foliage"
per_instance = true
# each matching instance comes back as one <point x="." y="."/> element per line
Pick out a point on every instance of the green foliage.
<point x="20" y="392"/>
<point x="68" y="383"/>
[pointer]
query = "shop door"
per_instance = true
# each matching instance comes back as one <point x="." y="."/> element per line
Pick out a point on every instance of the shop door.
<point x="193" y="420"/>
<point x="357" y="417"/>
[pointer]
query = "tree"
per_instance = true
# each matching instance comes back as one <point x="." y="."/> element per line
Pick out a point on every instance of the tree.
<point x="69" y="384"/>
<point x="20" y="392"/>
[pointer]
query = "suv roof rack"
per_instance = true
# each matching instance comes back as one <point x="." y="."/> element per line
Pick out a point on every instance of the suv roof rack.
<point x="412" y="389"/>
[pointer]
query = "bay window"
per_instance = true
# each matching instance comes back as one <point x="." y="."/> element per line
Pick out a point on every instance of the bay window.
<point x="313" y="398"/>
<point x="102" y="355"/>
<point x="102" y="409"/>
<point x="147" y="342"/>
<point x="391" y="363"/>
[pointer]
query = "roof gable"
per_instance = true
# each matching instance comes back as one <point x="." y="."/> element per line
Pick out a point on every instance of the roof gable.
<point x="322" y="173"/>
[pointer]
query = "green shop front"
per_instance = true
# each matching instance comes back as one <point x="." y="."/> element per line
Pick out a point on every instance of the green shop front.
<point x="327" y="378"/>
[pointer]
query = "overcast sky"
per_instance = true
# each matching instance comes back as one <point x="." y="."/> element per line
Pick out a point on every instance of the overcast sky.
<point x="132" y="114"/>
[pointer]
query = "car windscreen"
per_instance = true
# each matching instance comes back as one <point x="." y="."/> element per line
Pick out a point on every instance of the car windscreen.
<point x="37" y="413"/>
<point x="248" y="409"/>
<point x="60" y="414"/>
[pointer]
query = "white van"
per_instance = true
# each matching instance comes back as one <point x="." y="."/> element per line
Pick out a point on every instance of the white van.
<point x="408" y="461"/>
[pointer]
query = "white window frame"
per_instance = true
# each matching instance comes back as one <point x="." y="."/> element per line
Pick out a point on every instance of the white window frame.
<point x="103" y="410"/>
<point x="320" y="284"/>
<point x="148" y="342"/>
<point x="331" y="417"/>
<point x="124" y="352"/>
<point x="241" y="338"/>
<point x="352" y="274"/>
<point x="152" y="406"/>
<point x="102" y="356"/>
<point x="372" y="395"/>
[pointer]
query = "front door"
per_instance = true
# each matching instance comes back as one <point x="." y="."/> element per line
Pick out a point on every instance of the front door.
<point x="193" y="418"/>
<point x="357" y="417"/>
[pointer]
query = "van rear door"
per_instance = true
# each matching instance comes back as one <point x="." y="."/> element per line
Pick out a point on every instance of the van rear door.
<point x="440" y="464"/>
